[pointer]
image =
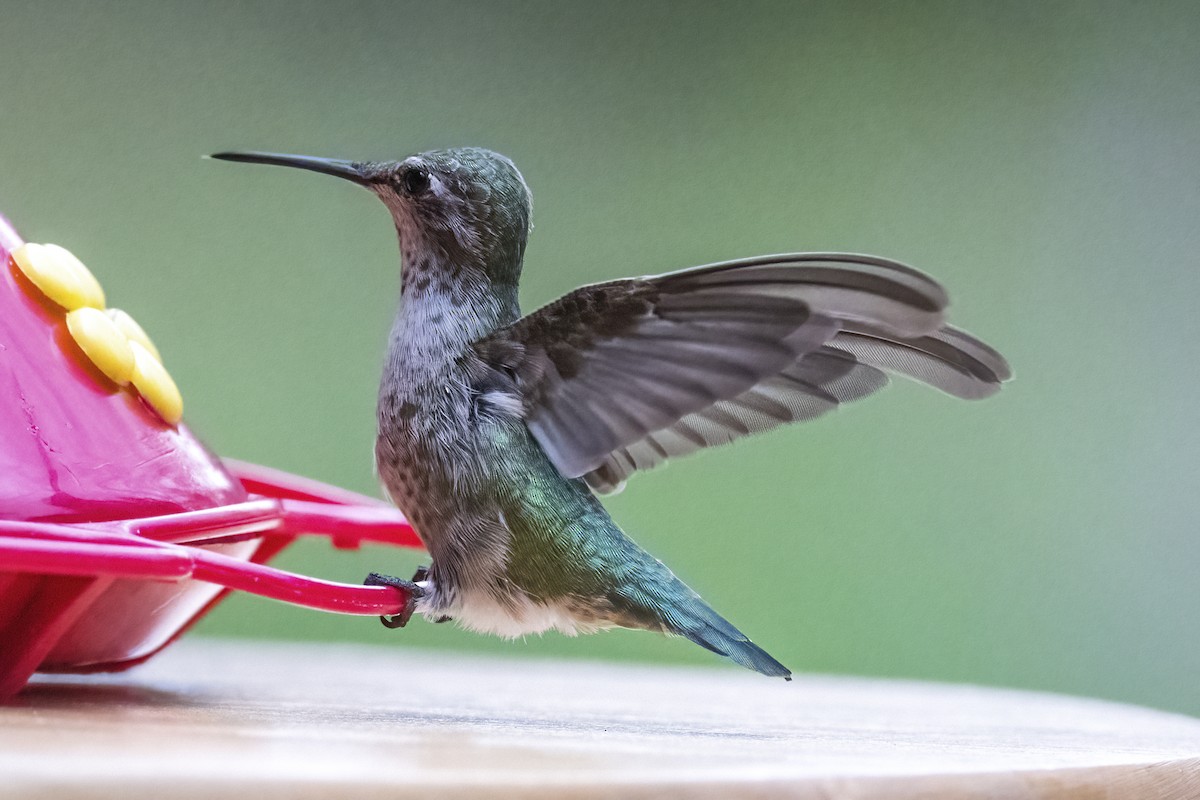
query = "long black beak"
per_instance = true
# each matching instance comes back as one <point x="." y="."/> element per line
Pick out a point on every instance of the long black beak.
<point x="349" y="170"/>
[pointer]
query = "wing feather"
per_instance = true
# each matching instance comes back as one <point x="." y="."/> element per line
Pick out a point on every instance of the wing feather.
<point x="619" y="377"/>
<point x="813" y="385"/>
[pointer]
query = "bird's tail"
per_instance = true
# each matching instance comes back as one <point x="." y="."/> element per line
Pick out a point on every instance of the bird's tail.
<point x="649" y="596"/>
<point x="695" y="620"/>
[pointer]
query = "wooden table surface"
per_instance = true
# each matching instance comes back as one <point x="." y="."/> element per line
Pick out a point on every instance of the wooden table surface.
<point x="211" y="719"/>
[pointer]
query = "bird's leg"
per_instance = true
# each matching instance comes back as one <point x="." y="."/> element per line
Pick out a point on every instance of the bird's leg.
<point x="421" y="576"/>
<point x="412" y="591"/>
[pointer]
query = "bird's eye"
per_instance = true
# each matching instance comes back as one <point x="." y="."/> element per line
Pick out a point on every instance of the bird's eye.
<point x="415" y="180"/>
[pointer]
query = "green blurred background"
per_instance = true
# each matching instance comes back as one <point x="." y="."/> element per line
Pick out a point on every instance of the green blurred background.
<point x="1041" y="159"/>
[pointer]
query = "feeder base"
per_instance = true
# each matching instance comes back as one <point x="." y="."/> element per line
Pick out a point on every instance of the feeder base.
<point x="216" y="719"/>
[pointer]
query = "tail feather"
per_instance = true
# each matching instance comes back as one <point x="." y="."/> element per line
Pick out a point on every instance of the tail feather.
<point x="700" y="624"/>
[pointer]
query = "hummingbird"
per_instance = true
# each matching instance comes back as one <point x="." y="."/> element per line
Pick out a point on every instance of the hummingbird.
<point x="498" y="432"/>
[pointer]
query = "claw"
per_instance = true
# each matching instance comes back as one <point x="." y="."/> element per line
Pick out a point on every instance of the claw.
<point x="411" y="592"/>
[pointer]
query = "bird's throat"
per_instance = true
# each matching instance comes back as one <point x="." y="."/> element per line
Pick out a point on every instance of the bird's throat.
<point x="442" y="314"/>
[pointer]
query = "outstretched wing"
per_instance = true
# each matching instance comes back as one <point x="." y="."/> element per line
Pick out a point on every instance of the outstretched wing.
<point x="618" y="377"/>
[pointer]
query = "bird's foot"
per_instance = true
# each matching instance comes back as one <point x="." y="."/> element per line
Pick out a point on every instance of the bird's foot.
<point x="412" y="593"/>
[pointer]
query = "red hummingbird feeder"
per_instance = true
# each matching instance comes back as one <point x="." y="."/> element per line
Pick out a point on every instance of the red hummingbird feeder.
<point x="118" y="527"/>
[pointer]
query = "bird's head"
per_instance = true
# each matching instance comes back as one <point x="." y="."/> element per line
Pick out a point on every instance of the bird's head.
<point x="460" y="209"/>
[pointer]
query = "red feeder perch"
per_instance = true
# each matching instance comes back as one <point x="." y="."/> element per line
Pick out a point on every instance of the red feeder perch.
<point x="118" y="527"/>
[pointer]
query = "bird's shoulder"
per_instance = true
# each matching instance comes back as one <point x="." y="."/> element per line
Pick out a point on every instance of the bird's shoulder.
<point x="562" y="333"/>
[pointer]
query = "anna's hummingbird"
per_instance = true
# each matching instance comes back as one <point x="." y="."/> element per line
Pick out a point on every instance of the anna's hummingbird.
<point x="496" y="432"/>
